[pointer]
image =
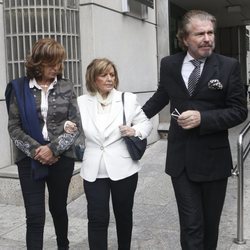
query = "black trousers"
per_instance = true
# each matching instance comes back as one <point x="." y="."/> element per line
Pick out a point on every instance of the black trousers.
<point x="98" y="195"/>
<point x="200" y="205"/>
<point x="33" y="192"/>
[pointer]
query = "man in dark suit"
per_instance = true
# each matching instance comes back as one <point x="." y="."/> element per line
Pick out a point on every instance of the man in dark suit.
<point x="198" y="157"/>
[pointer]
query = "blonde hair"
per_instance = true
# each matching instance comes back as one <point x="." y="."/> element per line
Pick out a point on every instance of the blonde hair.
<point x="97" y="67"/>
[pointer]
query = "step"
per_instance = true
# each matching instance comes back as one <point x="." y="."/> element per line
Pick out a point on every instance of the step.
<point x="10" y="190"/>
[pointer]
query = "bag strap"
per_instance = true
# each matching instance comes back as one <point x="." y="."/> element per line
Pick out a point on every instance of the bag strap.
<point x="124" y="117"/>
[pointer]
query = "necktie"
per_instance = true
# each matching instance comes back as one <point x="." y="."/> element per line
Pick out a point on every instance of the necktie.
<point x="194" y="76"/>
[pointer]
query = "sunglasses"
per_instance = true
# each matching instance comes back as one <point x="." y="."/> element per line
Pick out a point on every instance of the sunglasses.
<point x="175" y="114"/>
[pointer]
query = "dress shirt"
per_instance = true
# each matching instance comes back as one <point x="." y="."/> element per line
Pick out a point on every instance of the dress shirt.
<point x="188" y="67"/>
<point x="44" y="103"/>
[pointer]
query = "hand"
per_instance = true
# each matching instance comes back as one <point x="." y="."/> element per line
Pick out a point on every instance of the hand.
<point x="189" y="119"/>
<point x="70" y="127"/>
<point x="45" y="156"/>
<point x="126" y="130"/>
<point x="53" y="160"/>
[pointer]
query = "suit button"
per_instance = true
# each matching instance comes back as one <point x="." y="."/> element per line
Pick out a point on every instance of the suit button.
<point x="101" y="147"/>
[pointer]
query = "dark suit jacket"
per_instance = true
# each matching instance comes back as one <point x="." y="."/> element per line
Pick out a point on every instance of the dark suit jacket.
<point x="203" y="151"/>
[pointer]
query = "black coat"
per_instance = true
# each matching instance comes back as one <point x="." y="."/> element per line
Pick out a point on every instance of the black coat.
<point x="203" y="151"/>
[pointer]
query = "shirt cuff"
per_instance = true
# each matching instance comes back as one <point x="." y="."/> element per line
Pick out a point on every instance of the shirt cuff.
<point x="138" y="134"/>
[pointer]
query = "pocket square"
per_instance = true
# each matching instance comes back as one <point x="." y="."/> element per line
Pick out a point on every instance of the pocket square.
<point x="215" y="84"/>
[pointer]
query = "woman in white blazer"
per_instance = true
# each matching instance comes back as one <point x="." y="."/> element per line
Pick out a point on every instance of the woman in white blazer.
<point x="107" y="167"/>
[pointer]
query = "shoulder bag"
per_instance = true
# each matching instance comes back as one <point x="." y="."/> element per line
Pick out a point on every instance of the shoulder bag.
<point x="136" y="147"/>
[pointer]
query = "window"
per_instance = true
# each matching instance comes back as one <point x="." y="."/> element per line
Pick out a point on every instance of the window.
<point x="135" y="8"/>
<point x="29" y="20"/>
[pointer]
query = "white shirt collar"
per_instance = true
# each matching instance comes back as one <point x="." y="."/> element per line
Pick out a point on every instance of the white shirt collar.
<point x="33" y="83"/>
<point x="188" y="58"/>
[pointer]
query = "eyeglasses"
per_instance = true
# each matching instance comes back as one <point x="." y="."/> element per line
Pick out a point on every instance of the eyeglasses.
<point x="175" y="114"/>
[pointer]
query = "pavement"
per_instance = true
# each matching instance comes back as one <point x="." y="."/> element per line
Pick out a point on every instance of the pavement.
<point x="156" y="225"/>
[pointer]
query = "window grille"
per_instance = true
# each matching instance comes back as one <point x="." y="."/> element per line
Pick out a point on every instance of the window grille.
<point x="26" y="21"/>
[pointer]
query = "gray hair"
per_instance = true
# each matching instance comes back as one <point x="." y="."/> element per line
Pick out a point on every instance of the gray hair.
<point x="183" y="27"/>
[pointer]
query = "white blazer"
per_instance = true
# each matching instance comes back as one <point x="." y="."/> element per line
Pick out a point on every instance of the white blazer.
<point x="107" y="142"/>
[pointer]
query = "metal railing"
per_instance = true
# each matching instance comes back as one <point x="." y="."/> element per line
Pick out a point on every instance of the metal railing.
<point x="238" y="171"/>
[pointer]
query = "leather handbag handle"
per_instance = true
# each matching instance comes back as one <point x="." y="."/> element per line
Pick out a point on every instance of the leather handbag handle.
<point x="124" y="117"/>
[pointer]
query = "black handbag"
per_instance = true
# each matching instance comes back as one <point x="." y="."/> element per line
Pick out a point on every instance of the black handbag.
<point x="79" y="147"/>
<point x="79" y="151"/>
<point x="136" y="147"/>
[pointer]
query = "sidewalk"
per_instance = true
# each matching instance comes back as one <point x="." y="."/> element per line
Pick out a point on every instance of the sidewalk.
<point x="156" y="225"/>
